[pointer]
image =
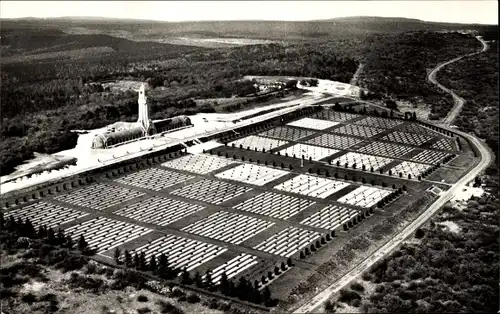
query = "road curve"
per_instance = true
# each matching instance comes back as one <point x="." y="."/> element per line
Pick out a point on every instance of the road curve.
<point x="486" y="157"/>
<point x="459" y="101"/>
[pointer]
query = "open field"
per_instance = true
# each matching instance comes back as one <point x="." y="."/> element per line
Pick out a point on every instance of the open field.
<point x="248" y="209"/>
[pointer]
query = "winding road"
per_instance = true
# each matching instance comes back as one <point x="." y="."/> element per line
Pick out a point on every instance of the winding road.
<point x="316" y="303"/>
<point x="459" y="101"/>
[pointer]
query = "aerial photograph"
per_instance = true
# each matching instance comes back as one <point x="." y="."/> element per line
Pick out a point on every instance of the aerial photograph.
<point x="249" y="157"/>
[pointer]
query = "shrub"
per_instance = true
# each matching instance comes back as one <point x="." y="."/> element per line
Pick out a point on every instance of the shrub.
<point x="356" y="286"/>
<point x="176" y="292"/>
<point x="143" y="310"/>
<point x="213" y="304"/>
<point x="224" y="306"/>
<point x="347" y="296"/>
<point x="329" y="306"/>
<point x="142" y="298"/>
<point x="28" y="298"/>
<point x="193" y="298"/>
<point x="167" y="307"/>
<point x="419" y="233"/>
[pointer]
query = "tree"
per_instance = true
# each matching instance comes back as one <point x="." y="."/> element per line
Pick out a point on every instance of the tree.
<point x="256" y="297"/>
<point x="266" y="295"/>
<point x="243" y="289"/>
<point x="142" y="261"/>
<point x="198" y="280"/>
<point x="186" y="277"/>
<point x="118" y="253"/>
<point x="224" y="283"/>
<point x="164" y="270"/>
<point x="30" y="232"/>
<point x="391" y="104"/>
<point x="69" y="242"/>
<point x="82" y="244"/>
<point x="51" y="239"/>
<point x="208" y="280"/>
<point x="127" y="258"/>
<point x="153" y="266"/>
<point x="136" y="260"/>
<point x="60" y="238"/>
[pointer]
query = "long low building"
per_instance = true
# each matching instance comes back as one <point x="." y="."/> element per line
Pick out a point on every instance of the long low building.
<point x="122" y="132"/>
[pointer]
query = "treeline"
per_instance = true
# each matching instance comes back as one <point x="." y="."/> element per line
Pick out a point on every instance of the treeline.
<point x="397" y="66"/>
<point x="43" y="101"/>
<point x="243" y="289"/>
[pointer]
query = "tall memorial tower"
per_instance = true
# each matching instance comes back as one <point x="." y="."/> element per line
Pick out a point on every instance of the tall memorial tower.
<point x="143" y="110"/>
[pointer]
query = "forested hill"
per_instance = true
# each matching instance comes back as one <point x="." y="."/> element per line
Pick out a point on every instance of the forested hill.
<point x="249" y="29"/>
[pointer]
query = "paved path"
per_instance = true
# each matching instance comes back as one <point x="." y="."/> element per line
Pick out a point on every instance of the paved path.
<point x="315" y="304"/>
<point x="355" y="77"/>
<point x="459" y="101"/>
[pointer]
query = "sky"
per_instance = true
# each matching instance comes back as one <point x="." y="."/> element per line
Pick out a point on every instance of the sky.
<point x="478" y="11"/>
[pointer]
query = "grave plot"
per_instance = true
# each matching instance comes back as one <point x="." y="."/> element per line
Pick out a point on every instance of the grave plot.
<point x="43" y="213"/>
<point x="416" y="128"/>
<point x="252" y="174"/>
<point x="258" y="142"/>
<point x="274" y="205"/>
<point x="335" y="116"/>
<point x="288" y="242"/>
<point x="159" y="210"/>
<point x="409" y="168"/>
<point x="210" y="191"/>
<point x="233" y="267"/>
<point x="104" y="234"/>
<point x="311" y="186"/>
<point x="386" y="149"/>
<point x="430" y="156"/>
<point x="228" y="227"/>
<point x="334" y="141"/>
<point x="153" y="179"/>
<point x="379" y="122"/>
<point x="99" y="196"/>
<point x="314" y="152"/>
<point x="369" y="161"/>
<point x="407" y="138"/>
<point x="444" y="144"/>
<point x="181" y="252"/>
<point x="358" y="130"/>
<point x="201" y="164"/>
<point x="286" y="133"/>
<point x="364" y="196"/>
<point x="330" y="217"/>
<point x="315" y="124"/>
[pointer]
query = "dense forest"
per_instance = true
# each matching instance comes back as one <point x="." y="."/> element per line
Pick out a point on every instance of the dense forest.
<point x="476" y="80"/>
<point x="453" y="270"/>
<point x="448" y="270"/>
<point x="397" y="66"/>
<point x="43" y="99"/>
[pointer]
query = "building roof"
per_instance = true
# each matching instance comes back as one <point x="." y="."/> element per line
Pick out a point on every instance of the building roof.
<point x="110" y="138"/>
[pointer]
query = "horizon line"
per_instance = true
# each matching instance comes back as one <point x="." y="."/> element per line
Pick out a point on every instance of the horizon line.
<point x="238" y="20"/>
